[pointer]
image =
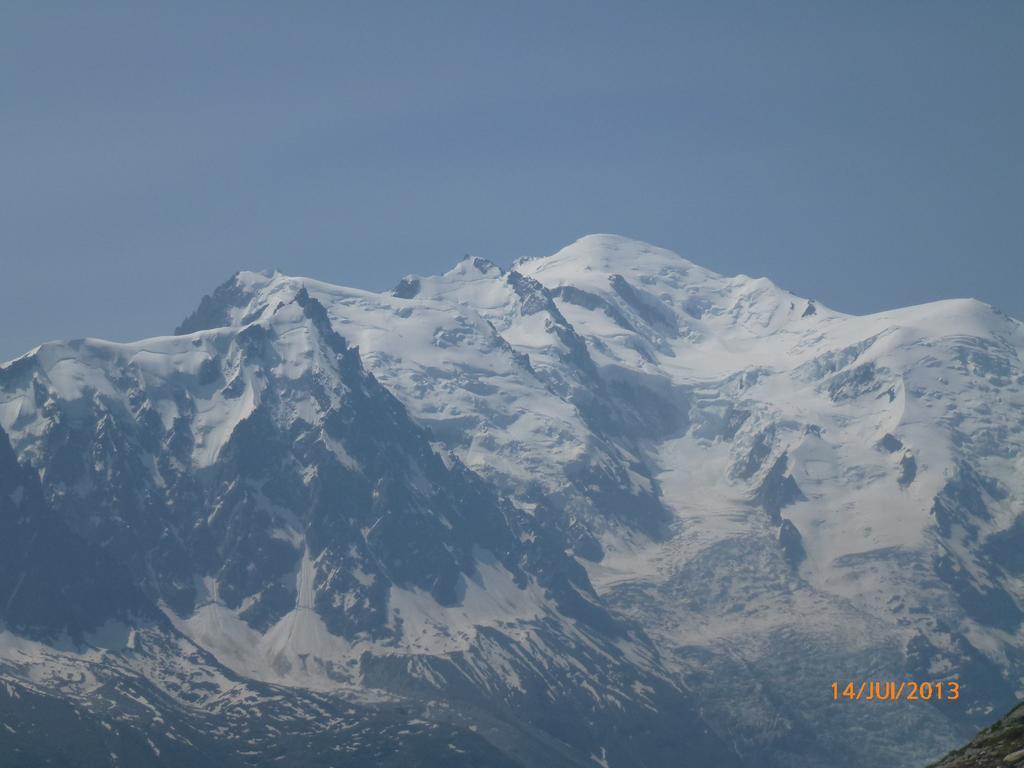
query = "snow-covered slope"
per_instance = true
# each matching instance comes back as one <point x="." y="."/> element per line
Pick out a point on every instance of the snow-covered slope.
<point x="289" y="518"/>
<point x="486" y="360"/>
<point x="881" y="455"/>
<point x="766" y="495"/>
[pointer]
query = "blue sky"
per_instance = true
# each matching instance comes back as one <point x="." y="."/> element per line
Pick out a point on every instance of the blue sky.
<point x="868" y="154"/>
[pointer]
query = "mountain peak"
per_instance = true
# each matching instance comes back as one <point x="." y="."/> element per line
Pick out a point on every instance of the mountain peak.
<point x="609" y="253"/>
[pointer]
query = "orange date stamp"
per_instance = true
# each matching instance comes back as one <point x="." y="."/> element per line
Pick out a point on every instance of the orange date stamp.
<point x="891" y="690"/>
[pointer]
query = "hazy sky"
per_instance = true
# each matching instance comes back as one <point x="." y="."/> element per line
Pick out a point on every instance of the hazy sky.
<point x="866" y="154"/>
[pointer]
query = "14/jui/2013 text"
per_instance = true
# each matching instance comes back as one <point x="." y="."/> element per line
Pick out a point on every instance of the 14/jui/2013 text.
<point x="890" y="690"/>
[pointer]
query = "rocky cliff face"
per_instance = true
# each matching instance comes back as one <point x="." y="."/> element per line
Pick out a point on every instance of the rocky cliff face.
<point x="606" y="505"/>
<point x="998" y="746"/>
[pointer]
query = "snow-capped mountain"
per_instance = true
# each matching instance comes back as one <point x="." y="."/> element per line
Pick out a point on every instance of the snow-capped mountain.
<point x="608" y="505"/>
<point x="282" y="512"/>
